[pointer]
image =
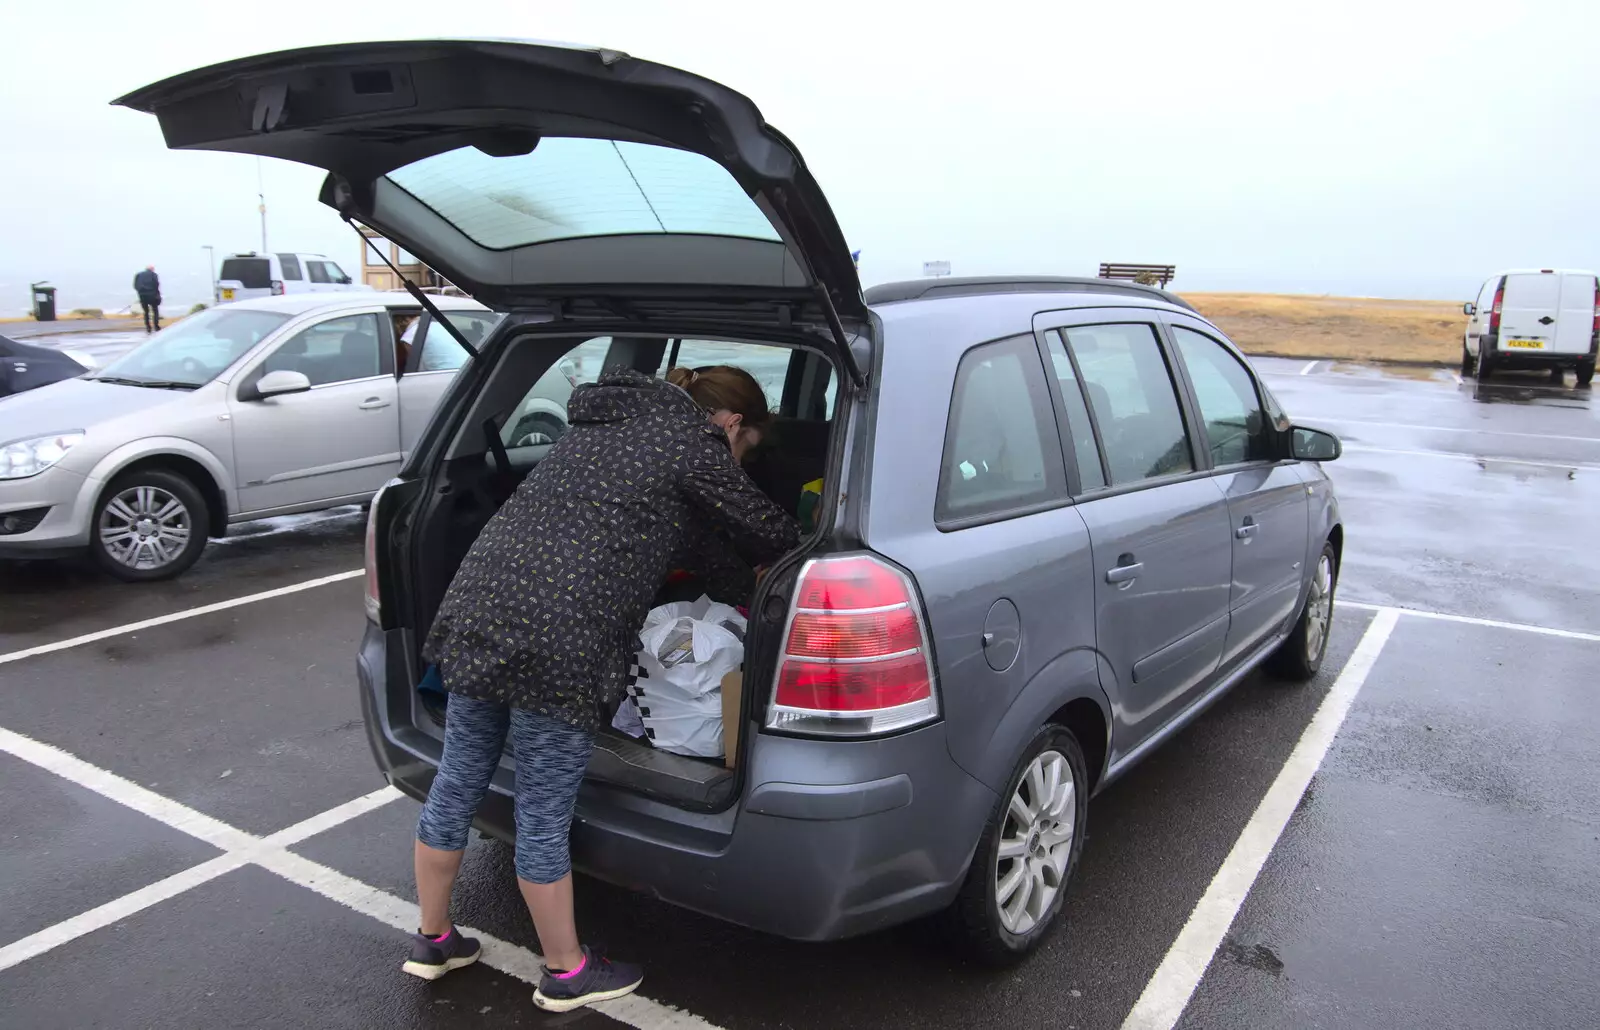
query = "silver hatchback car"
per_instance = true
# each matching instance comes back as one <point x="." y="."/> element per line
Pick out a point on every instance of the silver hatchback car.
<point x="253" y="409"/>
<point x="1052" y="519"/>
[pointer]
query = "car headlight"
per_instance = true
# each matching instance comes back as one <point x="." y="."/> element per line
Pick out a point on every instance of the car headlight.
<point x="25" y="458"/>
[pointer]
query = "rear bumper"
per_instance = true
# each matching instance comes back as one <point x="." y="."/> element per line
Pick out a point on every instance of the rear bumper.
<point x="1515" y="358"/>
<point x="886" y="839"/>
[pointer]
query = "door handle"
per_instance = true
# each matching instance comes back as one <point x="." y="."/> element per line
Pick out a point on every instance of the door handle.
<point x="1247" y="529"/>
<point x="373" y="403"/>
<point x="1125" y="573"/>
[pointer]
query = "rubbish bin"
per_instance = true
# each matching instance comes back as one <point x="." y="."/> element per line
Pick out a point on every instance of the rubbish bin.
<point x="44" y="303"/>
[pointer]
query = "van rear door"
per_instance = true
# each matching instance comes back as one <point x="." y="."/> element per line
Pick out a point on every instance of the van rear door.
<point x="1528" y="312"/>
<point x="1574" y="326"/>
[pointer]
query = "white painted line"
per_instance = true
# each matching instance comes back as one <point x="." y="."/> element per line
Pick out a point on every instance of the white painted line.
<point x="270" y="853"/>
<point x="188" y="613"/>
<point x="1520" y="627"/>
<point x="1174" y="982"/>
<point x="124" y="792"/>
<point x="1445" y="429"/>
<point x="1311" y="366"/>
<point x="117" y="910"/>
<point x="1474" y="458"/>
<point x="321" y="823"/>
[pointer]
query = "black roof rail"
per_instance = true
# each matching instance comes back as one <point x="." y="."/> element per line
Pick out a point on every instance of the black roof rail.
<point x="920" y="289"/>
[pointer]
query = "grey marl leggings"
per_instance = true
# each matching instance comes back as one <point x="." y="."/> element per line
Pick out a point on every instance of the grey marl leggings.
<point x="551" y="757"/>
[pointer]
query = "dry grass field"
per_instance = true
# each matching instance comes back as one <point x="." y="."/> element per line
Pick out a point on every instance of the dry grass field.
<point x="1349" y="328"/>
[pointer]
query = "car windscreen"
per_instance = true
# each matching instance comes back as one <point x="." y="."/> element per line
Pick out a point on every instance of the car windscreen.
<point x="251" y="273"/>
<point x="196" y="350"/>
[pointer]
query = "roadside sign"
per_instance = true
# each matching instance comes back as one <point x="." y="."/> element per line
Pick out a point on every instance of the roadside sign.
<point x="936" y="268"/>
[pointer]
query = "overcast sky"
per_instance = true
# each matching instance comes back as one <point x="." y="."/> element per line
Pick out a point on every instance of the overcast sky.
<point x="1399" y="148"/>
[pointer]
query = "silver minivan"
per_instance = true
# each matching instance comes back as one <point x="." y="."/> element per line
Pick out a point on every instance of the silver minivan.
<point x="1058" y="518"/>
<point x="241" y="412"/>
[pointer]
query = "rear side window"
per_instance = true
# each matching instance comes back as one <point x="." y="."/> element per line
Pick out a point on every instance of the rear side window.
<point x="291" y="267"/>
<point x="253" y="273"/>
<point x="1236" y="426"/>
<point x="318" y="271"/>
<point x="1133" y="400"/>
<point x="1001" y="450"/>
<point x="769" y="365"/>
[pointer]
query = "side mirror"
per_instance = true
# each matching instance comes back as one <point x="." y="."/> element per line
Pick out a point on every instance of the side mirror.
<point x="344" y="280"/>
<point x="1469" y="308"/>
<point x="1314" y="445"/>
<point x="283" y="381"/>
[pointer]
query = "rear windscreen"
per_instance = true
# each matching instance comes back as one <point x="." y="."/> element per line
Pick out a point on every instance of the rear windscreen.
<point x="252" y="273"/>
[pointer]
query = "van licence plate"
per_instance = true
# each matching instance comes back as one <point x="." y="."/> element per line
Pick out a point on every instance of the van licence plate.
<point x="227" y="294"/>
<point x="1526" y="344"/>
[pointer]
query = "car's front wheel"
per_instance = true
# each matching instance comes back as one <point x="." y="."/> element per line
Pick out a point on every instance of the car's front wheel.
<point x="149" y="524"/>
<point x="1029" y="851"/>
<point x="1299" y="657"/>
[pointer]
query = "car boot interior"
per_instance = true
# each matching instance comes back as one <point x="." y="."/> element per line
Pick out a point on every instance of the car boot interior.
<point x="479" y="472"/>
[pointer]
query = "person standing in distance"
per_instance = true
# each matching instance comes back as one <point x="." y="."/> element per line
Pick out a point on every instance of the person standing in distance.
<point x="148" y="286"/>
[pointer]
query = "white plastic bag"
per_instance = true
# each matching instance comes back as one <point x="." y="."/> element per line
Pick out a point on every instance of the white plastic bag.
<point x="688" y="647"/>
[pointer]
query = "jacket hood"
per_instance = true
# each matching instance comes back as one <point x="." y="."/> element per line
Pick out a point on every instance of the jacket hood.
<point x="624" y="394"/>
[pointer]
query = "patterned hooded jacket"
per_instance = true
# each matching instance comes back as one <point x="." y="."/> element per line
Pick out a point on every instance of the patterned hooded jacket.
<point x="545" y="611"/>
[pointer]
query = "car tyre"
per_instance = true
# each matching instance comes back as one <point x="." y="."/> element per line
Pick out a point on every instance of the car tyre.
<point x="1469" y="364"/>
<point x="148" y="525"/>
<point x="1485" y="365"/>
<point x="536" y="426"/>
<point x="1586" y="373"/>
<point x="1299" y="657"/>
<point x="1027" y="854"/>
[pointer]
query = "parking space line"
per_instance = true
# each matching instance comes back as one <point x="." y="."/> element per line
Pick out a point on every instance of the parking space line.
<point x="270" y="853"/>
<point x="1311" y="366"/>
<point x="1476" y="459"/>
<point x="1168" y="992"/>
<point x="1469" y="620"/>
<point x="187" y="613"/>
<point x="118" y="909"/>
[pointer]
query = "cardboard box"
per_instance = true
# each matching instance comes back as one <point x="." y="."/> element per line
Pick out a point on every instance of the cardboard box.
<point x="732" y="693"/>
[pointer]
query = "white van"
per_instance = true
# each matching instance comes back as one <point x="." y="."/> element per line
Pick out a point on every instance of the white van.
<point x="252" y="275"/>
<point x="1534" y="318"/>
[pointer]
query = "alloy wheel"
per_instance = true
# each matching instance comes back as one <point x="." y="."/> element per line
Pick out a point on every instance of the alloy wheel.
<point x="1319" y="608"/>
<point x="145" y="527"/>
<point x="1036" y="842"/>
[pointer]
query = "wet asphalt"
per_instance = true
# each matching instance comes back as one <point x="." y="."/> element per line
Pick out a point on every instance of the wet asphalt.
<point x="1439" y="872"/>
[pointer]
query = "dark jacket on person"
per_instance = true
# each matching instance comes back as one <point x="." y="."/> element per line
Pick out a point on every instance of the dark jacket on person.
<point x="545" y="611"/>
<point x="148" y="286"/>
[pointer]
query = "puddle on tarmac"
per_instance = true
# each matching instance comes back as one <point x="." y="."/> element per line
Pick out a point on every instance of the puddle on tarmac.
<point x="1526" y="472"/>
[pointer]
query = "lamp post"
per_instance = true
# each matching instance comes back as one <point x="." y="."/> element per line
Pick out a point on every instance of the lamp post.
<point x="211" y="269"/>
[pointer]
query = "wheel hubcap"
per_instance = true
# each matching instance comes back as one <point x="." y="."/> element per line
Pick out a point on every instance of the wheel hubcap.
<point x="1319" y="608"/>
<point x="145" y="527"/>
<point x="1036" y="842"/>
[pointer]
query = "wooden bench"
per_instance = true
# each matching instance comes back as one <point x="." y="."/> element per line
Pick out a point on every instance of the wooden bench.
<point x="1149" y="275"/>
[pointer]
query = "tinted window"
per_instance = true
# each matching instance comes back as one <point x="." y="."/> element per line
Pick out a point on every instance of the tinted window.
<point x="541" y="416"/>
<point x="334" y="351"/>
<point x="1132" y="399"/>
<point x="1235" y="424"/>
<point x="441" y="352"/>
<point x="291" y="267"/>
<point x="335" y="273"/>
<point x="1091" y="476"/>
<point x="1001" y="450"/>
<point x="198" y="348"/>
<point x="571" y="187"/>
<point x="251" y="273"/>
<point x="318" y="271"/>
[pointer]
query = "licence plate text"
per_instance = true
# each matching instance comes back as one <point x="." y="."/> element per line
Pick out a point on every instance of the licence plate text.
<point x="1526" y="344"/>
<point x="227" y="294"/>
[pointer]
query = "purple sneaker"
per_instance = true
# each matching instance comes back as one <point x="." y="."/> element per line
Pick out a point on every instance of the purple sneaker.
<point x="431" y="959"/>
<point x="597" y="979"/>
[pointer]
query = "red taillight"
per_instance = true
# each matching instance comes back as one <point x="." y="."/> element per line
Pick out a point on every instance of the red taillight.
<point x="855" y="657"/>
<point x="277" y="288"/>
<point x="374" y="602"/>
<point x="1494" y="312"/>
